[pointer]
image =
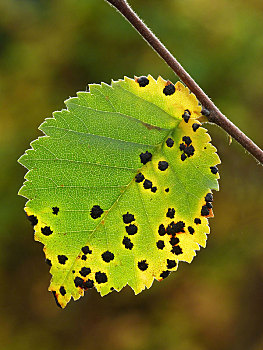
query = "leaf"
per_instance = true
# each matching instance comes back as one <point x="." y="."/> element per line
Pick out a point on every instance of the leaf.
<point x="119" y="187"/>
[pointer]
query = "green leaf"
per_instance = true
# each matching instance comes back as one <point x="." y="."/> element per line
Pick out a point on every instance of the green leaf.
<point x="118" y="186"/>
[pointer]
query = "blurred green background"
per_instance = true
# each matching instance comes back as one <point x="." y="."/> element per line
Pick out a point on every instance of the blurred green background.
<point x="51" y="49"/>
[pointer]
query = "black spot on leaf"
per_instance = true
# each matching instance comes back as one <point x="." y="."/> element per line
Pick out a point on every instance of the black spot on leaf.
<point x="84" y="257"/>
<point x="183" y="157"/>
<point x="96" y="212"/>
<point x="143" y="265"/>
<point x="165" y="274"/>
<point x="86" y="250"/>
<point x="214" y="170"/>
<point x="147" y="184"/>
<point x="128" y="218"/>
<point x="101" y="277"/>
<point x="195" y="126"/>
<point x="88" y="284"/>
<point x="163" y="165"/>
<point x="154" y="189"/>
<point x="191" y="230"/>
<point x="174" y="241"/>
<point x="187" y="140"/>
<point x="48" y="262"/>
<point x="197" y="221"/>
<point x="171" y="264"/>
<point x="161" y="230"/>
<point x="177" y="250"/>
<point x="209" y="205"/>
<point x="169" y="142"/>
<point x="46" y="231"/>
<point x="55" y="210"/>
<point x="145" y="157"/>
<point x="78" y="282"/>
<point x="186" y="116"/>
<point x="131" y="229"/>
<point x="62" y="259"/>
<point x="143" y="81"/>
<point x="182" y="147"/>
<point x="204" y="210"/>
<point x="107" y="256"/>
<point x="167" y="189"/>
<point x="169" y="89"/>
<point x="171" y="229"/>
<point x="209" y="197"/>
<point x="85" y="271"/>
<point x="62" y="290"/>
<point x="189" y="150"/>
<point x="127" y="243"/>
<point x="33" y="219"/>
<point x="170" y="213"/>
<point x="179" y="226"/>
<point x="139" y="177"/>
<point x="160" y="244"/>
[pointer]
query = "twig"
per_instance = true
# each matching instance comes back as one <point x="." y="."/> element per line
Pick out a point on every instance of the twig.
<point x="215" y="116"/>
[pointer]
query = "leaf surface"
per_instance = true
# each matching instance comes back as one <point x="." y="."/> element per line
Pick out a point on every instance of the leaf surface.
<point x="119" y="187"/>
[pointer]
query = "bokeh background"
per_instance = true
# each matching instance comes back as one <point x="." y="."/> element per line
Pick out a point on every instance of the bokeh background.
<point x="51" y="49"/>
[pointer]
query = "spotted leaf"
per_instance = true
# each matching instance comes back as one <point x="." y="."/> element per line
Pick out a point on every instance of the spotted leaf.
<point x="119" y="186"/>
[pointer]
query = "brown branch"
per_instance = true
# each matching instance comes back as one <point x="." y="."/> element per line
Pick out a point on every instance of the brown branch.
<point x="215" y="116"/>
